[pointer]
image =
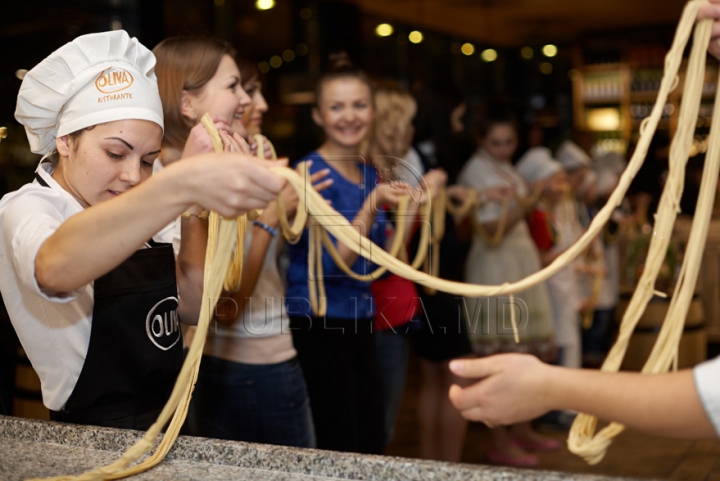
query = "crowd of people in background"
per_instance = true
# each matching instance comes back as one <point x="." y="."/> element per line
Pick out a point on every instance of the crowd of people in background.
<point x="273" y="370"/>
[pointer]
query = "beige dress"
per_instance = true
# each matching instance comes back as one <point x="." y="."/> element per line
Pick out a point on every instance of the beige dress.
<point x="516" y="257"/>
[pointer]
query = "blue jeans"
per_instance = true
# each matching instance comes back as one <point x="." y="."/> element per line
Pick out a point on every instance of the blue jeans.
<point x="393" y="349"/>
<point x="263" y="403"/>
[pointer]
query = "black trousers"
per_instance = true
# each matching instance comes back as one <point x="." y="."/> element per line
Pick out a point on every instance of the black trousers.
<point x="141" y="421"/>
<point x="342" y="372"/>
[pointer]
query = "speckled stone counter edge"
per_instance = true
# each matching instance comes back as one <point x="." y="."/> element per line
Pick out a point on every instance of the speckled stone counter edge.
<point x="275" y="458"/>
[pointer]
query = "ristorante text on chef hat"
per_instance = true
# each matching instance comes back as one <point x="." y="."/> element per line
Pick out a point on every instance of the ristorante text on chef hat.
<point x="537" y="164"/>
<point x="96" y="78"/>
<point x="572" y="156"/>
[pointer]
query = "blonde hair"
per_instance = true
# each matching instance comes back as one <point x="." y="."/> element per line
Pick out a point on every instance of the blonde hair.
<point x="392" y="125"/>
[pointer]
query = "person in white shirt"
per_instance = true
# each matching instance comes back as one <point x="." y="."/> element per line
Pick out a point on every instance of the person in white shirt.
<point x="516" y="387"/>
<point x="95" y="301"/>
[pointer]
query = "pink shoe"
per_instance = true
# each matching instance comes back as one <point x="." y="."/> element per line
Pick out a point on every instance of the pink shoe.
<point x="525" y="461"/>
<point x="547" y="445"/>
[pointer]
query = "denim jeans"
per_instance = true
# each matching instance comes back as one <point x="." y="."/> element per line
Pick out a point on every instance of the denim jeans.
<point x="393" y="350"/>
<point x="264" y="403"/>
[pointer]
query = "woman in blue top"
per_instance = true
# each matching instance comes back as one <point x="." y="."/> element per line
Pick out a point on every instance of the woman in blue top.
<point x="337" y="351"/>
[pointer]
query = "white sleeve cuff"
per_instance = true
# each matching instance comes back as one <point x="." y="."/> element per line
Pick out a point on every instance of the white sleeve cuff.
<point x="707" y="384"/>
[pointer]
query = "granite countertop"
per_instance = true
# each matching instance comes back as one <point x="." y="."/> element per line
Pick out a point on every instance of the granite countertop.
<point x="31" y="448"/>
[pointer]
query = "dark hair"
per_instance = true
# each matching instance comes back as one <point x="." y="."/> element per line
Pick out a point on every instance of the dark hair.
<point x="493" y="114"/>
<point x="436" y="101"/>
<point x="75" y="136"/>
<point x="340" y="66"/>
<point x="249" y="71"/>
<point x="185" y="63"/>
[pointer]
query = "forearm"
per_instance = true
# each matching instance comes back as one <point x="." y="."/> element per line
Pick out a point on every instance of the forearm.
<point x="191" y="267"/>
<point x="546" y="257"/>
<point x="362" y="221"/>
<point x="663" y="404"/>
<point x="93" y="242"/>
<point x="252" y="268"/>
<point x="409" y="220"/>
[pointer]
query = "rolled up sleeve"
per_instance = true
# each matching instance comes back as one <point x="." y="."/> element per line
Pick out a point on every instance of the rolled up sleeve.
<point x="28" y="224"/>
<point x="707" y="384"/>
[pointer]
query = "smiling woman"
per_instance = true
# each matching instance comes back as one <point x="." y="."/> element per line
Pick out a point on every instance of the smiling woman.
<point x="93" y="297"/>
<point x="342" y="371"/>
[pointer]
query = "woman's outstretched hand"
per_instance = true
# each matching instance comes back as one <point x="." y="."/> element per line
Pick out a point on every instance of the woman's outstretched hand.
<point x="712" y="10"/>
<point x="230" y="183"/>
<point x="510" y="388"/>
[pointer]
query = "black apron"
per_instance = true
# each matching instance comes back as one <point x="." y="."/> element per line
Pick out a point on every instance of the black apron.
<point x="135" y="351"/>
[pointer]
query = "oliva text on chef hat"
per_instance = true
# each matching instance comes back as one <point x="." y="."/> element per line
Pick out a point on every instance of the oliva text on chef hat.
<point x="571" y="156"/>
<point x="96" y="78"/>
<point x="537" y="164"/>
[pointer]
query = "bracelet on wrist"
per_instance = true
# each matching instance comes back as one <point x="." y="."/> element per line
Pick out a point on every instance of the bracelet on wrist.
<point x="270" y="230"/>
<point x="202" y="215"/>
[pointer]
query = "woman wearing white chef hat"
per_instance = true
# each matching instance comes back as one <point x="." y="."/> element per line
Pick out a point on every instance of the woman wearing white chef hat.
<point x="96" y="303"/>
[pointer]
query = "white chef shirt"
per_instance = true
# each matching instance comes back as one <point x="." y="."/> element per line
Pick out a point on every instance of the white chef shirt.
<point x="54" y="328"/>
<point x="707" y="384"/>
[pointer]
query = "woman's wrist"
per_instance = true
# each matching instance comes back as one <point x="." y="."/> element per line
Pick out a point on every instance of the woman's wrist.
<point x="269" y="215"/>
<point x="261" y="225"/>
<point x="195" y="211"/>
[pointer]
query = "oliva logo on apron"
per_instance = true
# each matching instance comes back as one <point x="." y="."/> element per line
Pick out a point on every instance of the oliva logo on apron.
<point x="163" y="325"/>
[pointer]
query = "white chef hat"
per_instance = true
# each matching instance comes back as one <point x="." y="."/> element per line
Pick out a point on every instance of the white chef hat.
<point x="537" y="164"/>
<point x="571" y="156"/>
<point x="607" y="181"/>
<point x="96" y="78"/>
<point x="589" y="181"/>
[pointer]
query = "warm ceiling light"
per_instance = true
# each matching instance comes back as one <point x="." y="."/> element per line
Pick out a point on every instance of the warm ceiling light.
<point x="264" y="4"/>
<point x="384" y="30"/>
<point x="550" y="50"/>
<point x="467" y="49"/>
<point x="415" y="36"/>
<point x="264" y="67"/>
<point x="546" y="68"/>
<point x="301" y="49"/>
<point x="527" y="53"/>
<point x="288" y="55"/>
<point x="489" y="55"/>
<point x="275" y="61"/>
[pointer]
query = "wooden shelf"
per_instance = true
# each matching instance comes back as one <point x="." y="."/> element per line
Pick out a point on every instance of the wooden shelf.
<point x="644" y="95"/>
<point x="609" y="101"/>
<point x="602" y="67"/>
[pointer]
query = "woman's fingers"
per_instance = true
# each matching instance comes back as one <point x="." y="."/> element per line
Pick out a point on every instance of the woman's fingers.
<point x="267" y="148"/>
<point x="230" y="144"/>
<point x="320" y="186"/>
<point x="709" y="10"/>
<point x="473" y="368"/>
<point x="235" y="183"/>
<point x="317" y="181"/>
<point x="317" y="176"/>
<point x="244" y="147"/>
